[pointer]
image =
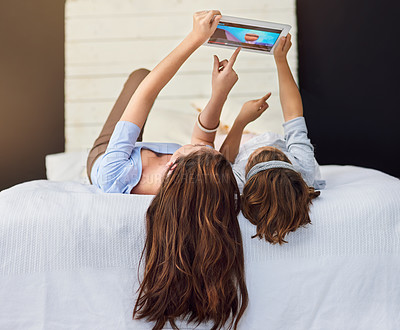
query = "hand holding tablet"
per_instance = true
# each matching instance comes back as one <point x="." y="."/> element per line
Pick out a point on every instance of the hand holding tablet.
<point x="282" y="47"/>
<point x="204" y="23"/>
<point x="251" y="35"/>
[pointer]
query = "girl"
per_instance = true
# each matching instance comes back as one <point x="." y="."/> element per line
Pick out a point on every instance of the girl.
<point x="275" y="175"/>
<point x="194" y="267"/>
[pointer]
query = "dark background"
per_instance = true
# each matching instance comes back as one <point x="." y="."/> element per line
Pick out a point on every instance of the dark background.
<point x="349" y="77"/>
<point x="31" y="87"/>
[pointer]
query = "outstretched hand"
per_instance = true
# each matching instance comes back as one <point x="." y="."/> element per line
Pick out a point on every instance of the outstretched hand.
<point x="282" y="48"/>
<point x="224" y="77"/>
<point x="253" y="109"/>
<point x="204" y="24"/>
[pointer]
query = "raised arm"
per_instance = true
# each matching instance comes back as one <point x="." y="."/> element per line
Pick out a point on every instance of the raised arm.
<point x="139" y="106"/>
<point x="289" y="94"/>
<point x="250" y="111"/>
<point x="223" y="79"/>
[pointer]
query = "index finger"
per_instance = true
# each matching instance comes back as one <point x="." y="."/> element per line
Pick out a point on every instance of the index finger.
<point x="232" y="60"/>
<point x="266" y="96"/>
<point x="212" y="13"/>
<point x="215" y="12"/>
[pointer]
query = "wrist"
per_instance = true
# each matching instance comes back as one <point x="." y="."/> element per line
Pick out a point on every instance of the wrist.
<point x="195" y="39"/>
<point x="240" y="123"/>
<point x="218" y="96"/>
<point x="281" y="61"/>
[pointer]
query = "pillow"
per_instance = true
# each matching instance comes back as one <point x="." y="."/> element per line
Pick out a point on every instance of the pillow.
<point x="67" y="166"/>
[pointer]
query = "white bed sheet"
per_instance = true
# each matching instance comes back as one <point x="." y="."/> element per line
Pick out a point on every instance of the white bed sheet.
<point x="69" y="258"/>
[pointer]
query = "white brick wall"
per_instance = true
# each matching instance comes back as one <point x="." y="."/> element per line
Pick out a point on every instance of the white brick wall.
<point x="107" y="39"/>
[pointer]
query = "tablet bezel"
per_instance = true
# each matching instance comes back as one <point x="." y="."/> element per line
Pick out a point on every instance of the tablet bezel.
<point x="256" y="23"/>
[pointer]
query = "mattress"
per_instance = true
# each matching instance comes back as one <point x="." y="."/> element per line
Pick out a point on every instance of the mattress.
<point x="69" y="258"/>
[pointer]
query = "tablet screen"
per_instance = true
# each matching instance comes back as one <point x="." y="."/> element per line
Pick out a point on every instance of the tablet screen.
<point x="246" y="36"/>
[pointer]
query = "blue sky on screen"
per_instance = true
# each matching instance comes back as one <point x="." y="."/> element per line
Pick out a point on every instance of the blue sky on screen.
<point x="267" y="38"/>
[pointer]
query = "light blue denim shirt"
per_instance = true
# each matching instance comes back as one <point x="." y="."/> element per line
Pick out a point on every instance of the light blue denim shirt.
<point x="119" y="169"/>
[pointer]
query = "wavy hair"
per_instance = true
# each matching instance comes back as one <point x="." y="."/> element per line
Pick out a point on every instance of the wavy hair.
<point x="277" y="200"/>
<point x="194" y="264"/>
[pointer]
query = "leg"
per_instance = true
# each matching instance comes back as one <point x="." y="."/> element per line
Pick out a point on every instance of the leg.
<point x="101" y="143"/>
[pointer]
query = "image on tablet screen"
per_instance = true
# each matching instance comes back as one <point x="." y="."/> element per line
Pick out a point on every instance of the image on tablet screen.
<point x="251" y="37"/>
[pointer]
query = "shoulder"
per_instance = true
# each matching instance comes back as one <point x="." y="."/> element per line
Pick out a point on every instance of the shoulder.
<point x="159" y="147"/>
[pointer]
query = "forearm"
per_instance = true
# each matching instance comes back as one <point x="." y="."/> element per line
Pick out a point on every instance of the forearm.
<point x="230" y="147"/>
<point x="209" y="118"/>
<point x="142" y="100"/>
<point x="289" y="94"/>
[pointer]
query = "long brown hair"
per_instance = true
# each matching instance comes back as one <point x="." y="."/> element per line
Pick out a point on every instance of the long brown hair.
<point x="276" y="200"/>
<point x="194" y="256"/>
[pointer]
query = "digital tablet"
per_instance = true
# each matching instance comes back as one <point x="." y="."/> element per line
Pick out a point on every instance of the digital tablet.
<point x="251" y="35"/>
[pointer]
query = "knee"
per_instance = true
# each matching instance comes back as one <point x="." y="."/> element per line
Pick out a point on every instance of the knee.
<point x="139" y="73"/>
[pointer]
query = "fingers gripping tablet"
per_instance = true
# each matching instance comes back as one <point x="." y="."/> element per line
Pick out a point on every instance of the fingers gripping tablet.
<point x="251" y="35"/>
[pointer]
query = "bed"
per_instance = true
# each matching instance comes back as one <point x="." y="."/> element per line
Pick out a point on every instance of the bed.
<point x="69" y="258"/>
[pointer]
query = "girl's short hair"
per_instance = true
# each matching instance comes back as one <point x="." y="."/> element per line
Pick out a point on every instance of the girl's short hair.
<point x="276" y="200"/>
<point x="194" y="263"/>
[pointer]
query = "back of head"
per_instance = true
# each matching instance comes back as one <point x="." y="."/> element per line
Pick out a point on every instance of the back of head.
<point x="276" y="200"/>
<point x="194" y="255"/>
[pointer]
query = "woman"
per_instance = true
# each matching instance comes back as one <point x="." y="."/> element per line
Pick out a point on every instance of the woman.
<point x="277" y="174"/>
<point x="194" y="257"/>
<point x="116" y="164"/>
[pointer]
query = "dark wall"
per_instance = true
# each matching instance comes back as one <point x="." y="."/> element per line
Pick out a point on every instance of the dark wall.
<point x="349" y="77"/>
<point x="31" y="87"/>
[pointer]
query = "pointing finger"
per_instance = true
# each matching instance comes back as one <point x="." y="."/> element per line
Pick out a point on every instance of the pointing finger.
<point x="232" y="60"/>
<point x="266" y="97"/>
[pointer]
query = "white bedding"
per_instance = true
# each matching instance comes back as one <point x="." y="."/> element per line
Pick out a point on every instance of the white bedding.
<point x="69" y="258"/>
